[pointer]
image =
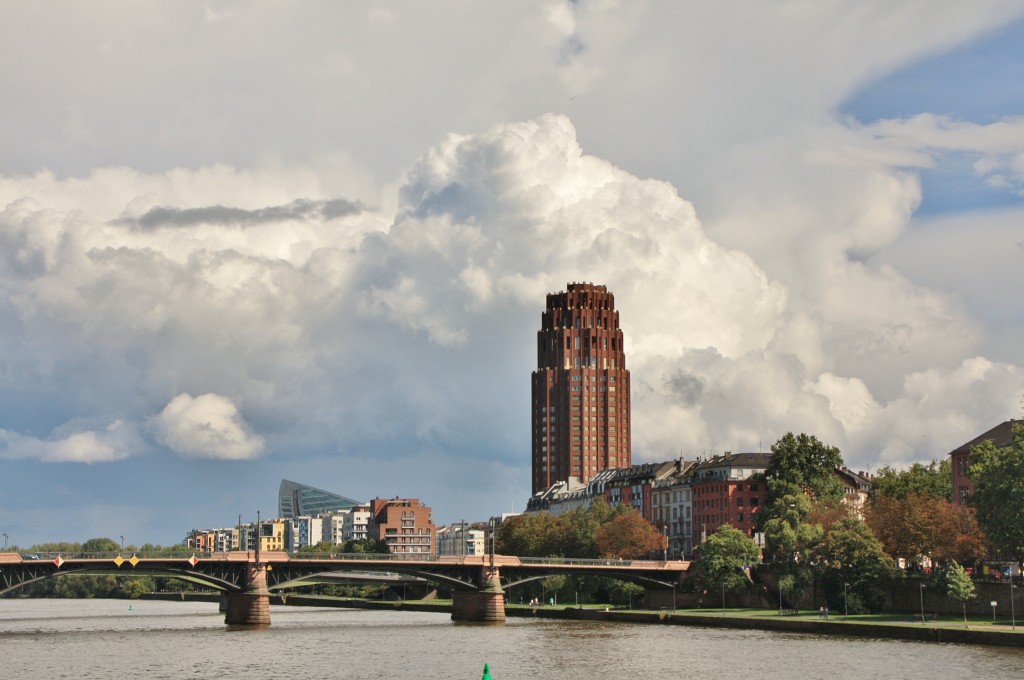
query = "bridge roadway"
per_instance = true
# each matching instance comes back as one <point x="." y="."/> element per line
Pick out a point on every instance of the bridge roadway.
<point x="478" y="582"/>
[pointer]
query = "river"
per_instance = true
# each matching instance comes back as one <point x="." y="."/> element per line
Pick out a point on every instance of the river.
<point x="148" y="639"/>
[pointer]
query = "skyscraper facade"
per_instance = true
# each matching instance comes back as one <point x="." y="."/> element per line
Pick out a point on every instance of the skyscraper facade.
<point x="580" y="405"/>
<point x="300" y="500"/>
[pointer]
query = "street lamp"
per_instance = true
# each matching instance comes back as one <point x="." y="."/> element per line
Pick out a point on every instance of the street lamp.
<point x="846" y="607"/>
<point x="122" y="544"/>
<point x="922" y="604"/>
<point x="5" y="540"/>
<point x="1013" y="617"/>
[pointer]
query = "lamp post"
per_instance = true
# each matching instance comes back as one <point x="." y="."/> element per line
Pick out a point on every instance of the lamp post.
<point x="723" y="597"/>
<point x="122" y="544"/>
<point x="778" y="582"/>
<point x="1013" y="617"/>
<point x="922" y="604"/>
<point x="846" y="606"/>
<point x="5" y="540"/>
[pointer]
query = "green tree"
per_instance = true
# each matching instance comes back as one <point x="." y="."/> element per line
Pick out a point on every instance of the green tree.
<point x="851" y="555"/>
<point x="791" y="544"/>
<point x="62" y="547"/>
<point x="933" y="480"/>
<point x="998" y="475"/>
<point x="370" y="546"/>
<point x="551" y="587"/>
<point x="100" y="546"/>
<point x="957" y="585"/>
<point x="623" y="592"/>
<point x="536" y="534"/>
<point x="134" y="587"/>
<point x="808" y="463"/>
<point x="319" y="549"/>
<point x="722" y="559"/>
<point x="573" y="534"/>
<point x="579" y="527"/>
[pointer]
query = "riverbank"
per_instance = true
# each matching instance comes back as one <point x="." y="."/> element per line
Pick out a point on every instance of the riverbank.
<point x="893" y="627"/>
<point x="879" y="626"/>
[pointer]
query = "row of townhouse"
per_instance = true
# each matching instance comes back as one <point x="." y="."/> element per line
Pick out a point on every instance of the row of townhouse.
<point x="404" y="524"/>
<point x="469" y="538"/>
<point x="463" y="539"/>
<point x="686" y="500"/>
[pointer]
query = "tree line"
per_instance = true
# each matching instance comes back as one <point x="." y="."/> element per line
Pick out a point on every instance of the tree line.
<point x="812" y="536"/>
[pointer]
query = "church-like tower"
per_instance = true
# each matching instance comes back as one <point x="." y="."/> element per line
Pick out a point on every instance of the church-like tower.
<point x="580" y="405"/>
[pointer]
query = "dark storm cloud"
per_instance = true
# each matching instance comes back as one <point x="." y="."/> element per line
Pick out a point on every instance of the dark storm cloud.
<point x="300" y="209"/>
<point x="686" y="388"/>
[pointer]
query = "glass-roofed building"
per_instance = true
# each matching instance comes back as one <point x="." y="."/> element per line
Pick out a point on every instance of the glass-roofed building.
<point x="299" y="500"/>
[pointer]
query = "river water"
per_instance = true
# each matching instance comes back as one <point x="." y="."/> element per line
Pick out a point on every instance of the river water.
<point x="142" y="639"/>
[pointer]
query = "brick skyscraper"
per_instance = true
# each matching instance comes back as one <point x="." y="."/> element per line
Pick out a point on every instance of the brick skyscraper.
<point x="580" y="407"/>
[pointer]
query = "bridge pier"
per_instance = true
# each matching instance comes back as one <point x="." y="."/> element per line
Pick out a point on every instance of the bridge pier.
<point x="251" y="608"/>
<point x="486" y="604"/>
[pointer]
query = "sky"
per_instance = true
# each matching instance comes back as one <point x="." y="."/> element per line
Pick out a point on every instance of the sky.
<point x="247" y="241"/>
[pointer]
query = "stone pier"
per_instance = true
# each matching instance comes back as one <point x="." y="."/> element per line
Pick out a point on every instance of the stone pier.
<point x="486" y="604"/>
<point x="251" y="608"/>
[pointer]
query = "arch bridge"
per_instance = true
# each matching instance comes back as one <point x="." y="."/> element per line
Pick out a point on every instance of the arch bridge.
<point x="245" y="579"/>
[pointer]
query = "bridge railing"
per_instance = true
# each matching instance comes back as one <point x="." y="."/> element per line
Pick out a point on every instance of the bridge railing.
<point x="182" y="554"/>
<point x="626" y="564"/>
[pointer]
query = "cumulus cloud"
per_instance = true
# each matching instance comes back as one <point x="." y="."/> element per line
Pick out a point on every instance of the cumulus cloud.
<point x="207" y="426"/>
<point x="116" y="441"/>
<point x="413" y="329"/>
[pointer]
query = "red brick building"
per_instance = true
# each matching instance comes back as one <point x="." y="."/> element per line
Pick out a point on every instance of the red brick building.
<point x="960" y="458"/>
<point x="405" y="524"/>
<point x="581" y="406"/>
<point x="727" y="489"/>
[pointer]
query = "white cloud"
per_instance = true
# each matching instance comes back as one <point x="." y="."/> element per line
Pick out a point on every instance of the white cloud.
<point x="999" y="145"/>
<point x="116" y="441"/>
<point x="358" y="329"/>
<point x="207" y="426"/>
